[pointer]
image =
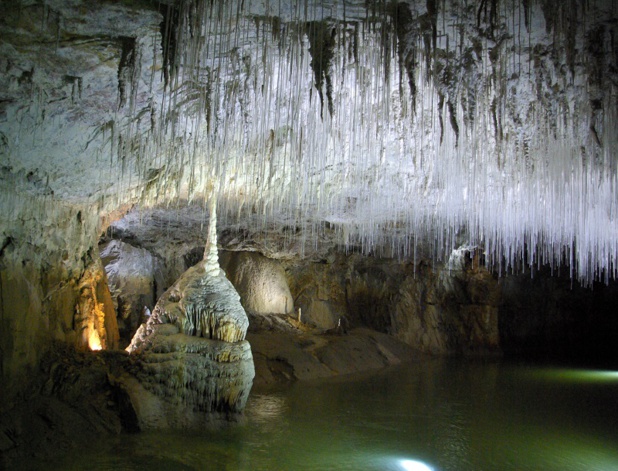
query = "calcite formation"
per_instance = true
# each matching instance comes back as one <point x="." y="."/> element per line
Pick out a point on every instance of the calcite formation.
<point x="192" y="356"/>
<point x="200" y="305"/>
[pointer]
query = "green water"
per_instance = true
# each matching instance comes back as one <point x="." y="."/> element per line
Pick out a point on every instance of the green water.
<point x="448" y="414"/>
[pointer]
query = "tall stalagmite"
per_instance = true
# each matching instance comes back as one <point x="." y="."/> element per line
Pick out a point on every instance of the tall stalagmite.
<point x="191" y="357"/>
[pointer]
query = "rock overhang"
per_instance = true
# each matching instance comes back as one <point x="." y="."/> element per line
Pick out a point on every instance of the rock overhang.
<point x="444" y="122"/>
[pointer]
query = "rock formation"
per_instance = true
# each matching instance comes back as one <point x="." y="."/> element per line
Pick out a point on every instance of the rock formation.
<point x="133" y="275"/>
<point x="260" y="281"/>
<point x="95" y="317"/>
<point x="192" y="359"/>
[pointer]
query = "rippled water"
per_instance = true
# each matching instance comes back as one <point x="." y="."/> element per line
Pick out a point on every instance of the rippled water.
<point x="444" y="414"/>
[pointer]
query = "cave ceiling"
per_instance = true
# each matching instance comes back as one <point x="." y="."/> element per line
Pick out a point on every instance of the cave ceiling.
<point x="485" y="123"/>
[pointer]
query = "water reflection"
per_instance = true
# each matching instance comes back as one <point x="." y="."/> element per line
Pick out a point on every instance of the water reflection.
<point x="443" y="414"/>
<point x="572" y="375"/>
<point x="267" y="408"/>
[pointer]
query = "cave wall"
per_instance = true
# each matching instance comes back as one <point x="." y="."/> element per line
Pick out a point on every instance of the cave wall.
<point x="71" y="82"/>
<point x="52" y="284"/>
<point x="457" y="306"/>
<point x="260" y="281"/>
<point x="438" y="309"/>
<point x="135" y="280"/>
<point x="461" y="307"/>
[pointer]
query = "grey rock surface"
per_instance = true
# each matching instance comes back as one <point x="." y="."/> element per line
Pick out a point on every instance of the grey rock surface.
<point x="133" y="274"/>
<point x="199" y="305"/>
<point x="260" y="281"/>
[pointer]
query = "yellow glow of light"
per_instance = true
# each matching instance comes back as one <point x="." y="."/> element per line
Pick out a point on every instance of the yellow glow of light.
<point x="94" y="342"/>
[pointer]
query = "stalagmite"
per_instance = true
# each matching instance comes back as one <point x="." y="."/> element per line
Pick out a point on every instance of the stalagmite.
<point x="191" y="353"/>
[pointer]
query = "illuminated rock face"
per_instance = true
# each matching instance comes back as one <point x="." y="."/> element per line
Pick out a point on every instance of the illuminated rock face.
<point x="95" y="317"/>
<point x="260" y="281"/>
<point x="203" y="302"/>
<point x="201" y="305"/>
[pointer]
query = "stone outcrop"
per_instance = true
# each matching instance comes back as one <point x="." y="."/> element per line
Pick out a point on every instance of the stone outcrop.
<point x="47" y="255"/>
<point x="134" y="276"/>
<point x="192" y="359"/>
<point x="441" y="309"/>
<point x="260" y="281"/>
<point x="200" y="304"/>
<point x="70" y="406"/>
<point x="287" y="353"/>
<point x="181" y="381"/>
<point x="454" y="307"/>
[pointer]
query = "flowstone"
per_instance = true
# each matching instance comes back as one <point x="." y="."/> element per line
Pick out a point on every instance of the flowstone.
<point x="192" y="362"/>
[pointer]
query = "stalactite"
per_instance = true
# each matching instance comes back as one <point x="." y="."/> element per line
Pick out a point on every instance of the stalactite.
<point x="491" y="122"/>
<point x="321" y="38"/>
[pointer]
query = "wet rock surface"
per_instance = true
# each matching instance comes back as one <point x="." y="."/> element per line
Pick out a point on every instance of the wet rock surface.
<point x="68" y="404"/>
<point x="290" y="351"/>
<point x="181" y="381"/>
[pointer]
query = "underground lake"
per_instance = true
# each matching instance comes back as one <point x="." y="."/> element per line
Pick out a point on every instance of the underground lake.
<point x="438" y="414"/>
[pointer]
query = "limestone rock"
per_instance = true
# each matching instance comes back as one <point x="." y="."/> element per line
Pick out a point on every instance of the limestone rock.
<point x="284" y="356"/>
<point x="181" y="381"/>
<point x="260" y="281"/>
<point x="95" y="317"/>
<point x="440" y="310"/>
<point x="201" y="306"/>
<point x="133" y="275"/>
<point x="192" y="356"/>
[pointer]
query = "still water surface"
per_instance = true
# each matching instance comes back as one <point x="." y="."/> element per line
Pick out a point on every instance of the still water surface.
<point x="446" y="414"/>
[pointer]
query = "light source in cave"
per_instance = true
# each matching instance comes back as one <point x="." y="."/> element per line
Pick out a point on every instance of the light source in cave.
<point x="94" y="341"/>
<point x="413" y="465"/>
